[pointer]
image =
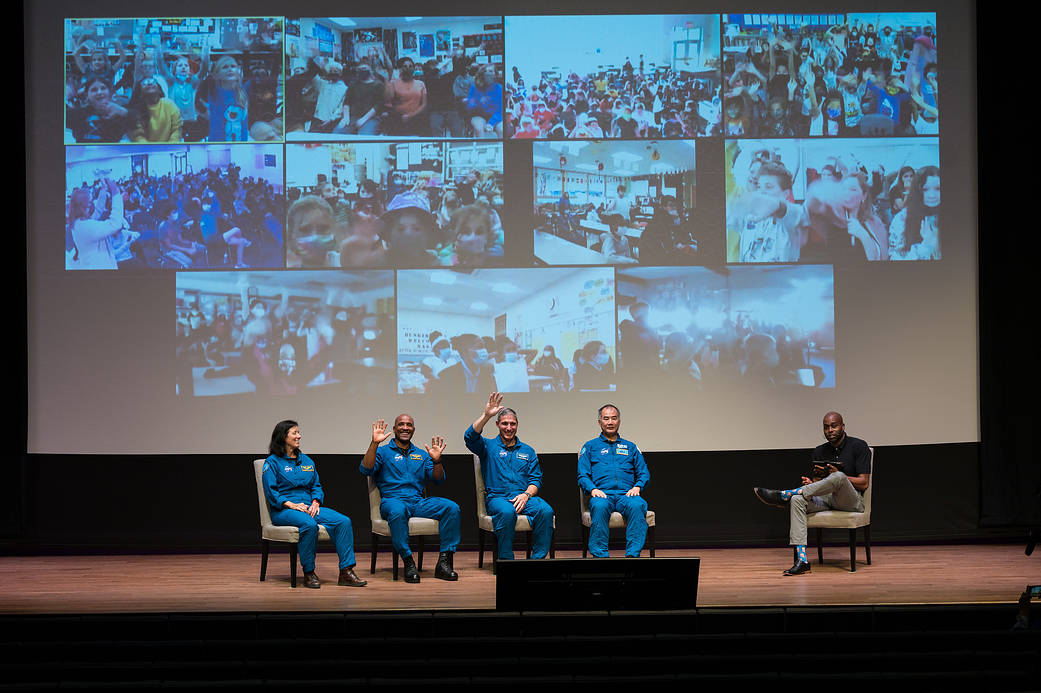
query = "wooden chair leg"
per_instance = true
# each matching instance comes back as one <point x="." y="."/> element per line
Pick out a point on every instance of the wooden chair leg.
<point x="480" y="547"/>
<point x="264" y="546"/>
<point x="422" y="541"/>
<point x="867" y="542"/>
<point x="375" y="543"/>
<point x="852" y="550"/>
<point x="292" y="565"/>
<point x="585" y="541"/>
<point x="650" y="535"/>
<point x="820" y="546"/>
<point x="395" y="563"/>
<point x="553" y="544"/>
<point x="527" y="551"/>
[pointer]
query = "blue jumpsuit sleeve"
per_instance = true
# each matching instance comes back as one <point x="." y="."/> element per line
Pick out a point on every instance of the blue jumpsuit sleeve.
<point x="534" y="471"/>
<point x="474" y="442"/>
<point x="643" y="474"/>
<point x="316" y="488"/>
<point x="428" y="467"/>
<point x="585" y="470"/>
<point x="377" y="463"/>
<point x="270" y="481"/>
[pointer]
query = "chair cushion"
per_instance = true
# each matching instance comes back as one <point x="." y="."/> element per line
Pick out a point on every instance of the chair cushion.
<point x="417" y="526"/>
<point x="837" y="519"/>
<point x="523" y="523"/>
<point x="289" y="533"/>
<point x="616" y="520"/>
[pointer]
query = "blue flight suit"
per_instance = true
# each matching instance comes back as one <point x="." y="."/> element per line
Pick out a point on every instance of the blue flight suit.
<point x="401" y="476"/>
<point x="614" y="468"/>
<point x="507" y="472"/>
<point x="286" y="479"/>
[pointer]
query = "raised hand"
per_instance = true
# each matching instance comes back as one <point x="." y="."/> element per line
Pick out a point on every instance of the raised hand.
<point x="436" y="447"/>
<point x="494" y="405"/>
<point x="762" y="206"/>
<point x="380" y="432"/>
<point x="855" y="228"/>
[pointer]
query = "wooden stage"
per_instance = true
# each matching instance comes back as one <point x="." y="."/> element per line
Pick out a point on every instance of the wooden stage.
<point x="899" y="575"/>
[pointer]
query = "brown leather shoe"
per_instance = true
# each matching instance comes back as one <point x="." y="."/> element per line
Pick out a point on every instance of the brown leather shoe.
<point x="349" y="579"/>
<point x="311" y="580"/>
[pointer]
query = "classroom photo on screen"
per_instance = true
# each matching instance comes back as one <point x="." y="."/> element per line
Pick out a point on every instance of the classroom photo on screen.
<point x="506" y="330"/>
<point x="199" y="206"/>
<point x="614" y="203"/>
<point x="613" y="76"/>
<point x="363" y="77"/>
<point x="807" y="75"/>
<point x="280" y="333"/>
<point x="196" y="79"/>
<point x="402" y="204"/>
<point x="744" y="329"/>
<point x="833" y="200"/>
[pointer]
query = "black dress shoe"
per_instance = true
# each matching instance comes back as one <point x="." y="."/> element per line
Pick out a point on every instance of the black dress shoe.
<point x="349" y="579"/>
<point x="311" y="580"/>
<point x="799" y="568"/>
<point x="411" y="571"/>
<point x="443" y="570"/>
<point x="770" y="497"/>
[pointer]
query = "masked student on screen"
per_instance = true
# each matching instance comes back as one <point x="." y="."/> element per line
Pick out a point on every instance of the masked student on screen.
<point x="837" y="222"/>
<point x="473" y="372"/>
<point x="847" y="80"/>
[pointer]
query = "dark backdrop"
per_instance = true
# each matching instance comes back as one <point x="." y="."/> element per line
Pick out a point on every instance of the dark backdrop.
<point x="922" y="493"/>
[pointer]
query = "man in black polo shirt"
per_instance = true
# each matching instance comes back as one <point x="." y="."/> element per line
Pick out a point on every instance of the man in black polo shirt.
<point x="841" y="469"/>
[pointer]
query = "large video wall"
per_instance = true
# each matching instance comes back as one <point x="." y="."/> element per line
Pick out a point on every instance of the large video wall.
<point x="705" y="218"/>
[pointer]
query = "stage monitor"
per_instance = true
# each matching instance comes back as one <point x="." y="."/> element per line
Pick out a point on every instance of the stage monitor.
<point x="597" y="584"/>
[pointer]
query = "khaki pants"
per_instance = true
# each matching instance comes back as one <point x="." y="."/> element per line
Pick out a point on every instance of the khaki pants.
<point x="834" y="492"/>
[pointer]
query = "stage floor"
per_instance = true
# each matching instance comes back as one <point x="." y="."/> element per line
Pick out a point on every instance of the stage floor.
<point x="899" y="575"/>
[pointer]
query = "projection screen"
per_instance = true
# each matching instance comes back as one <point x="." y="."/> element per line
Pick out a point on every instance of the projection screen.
<point x="726" y="224"/>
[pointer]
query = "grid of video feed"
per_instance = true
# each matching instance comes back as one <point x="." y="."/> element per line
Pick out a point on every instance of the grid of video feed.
<point x="332" y="189"/>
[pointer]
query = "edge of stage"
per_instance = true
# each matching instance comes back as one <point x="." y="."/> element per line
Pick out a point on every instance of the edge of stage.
<point x="729" y="578"/>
